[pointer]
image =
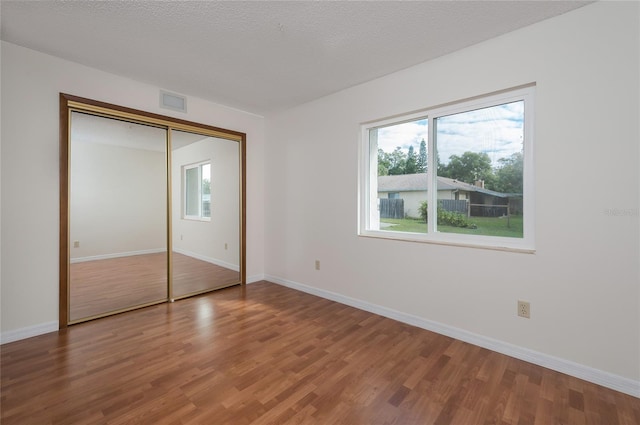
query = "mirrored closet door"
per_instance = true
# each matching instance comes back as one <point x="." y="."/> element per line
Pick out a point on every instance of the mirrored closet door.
<point x="205" y="212"/>
<point x="117" y="215"/>
<point x="151" y="209"/>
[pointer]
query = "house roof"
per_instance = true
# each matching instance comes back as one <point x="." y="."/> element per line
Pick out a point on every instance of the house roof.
<point x="418" y="182"/>
<point x="403" y="183"/>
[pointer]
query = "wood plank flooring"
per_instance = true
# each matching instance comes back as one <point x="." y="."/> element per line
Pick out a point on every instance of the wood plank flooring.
<point x="271" y="355"/>
<point x="101" y="286"/>
<point x="191" y="275"/>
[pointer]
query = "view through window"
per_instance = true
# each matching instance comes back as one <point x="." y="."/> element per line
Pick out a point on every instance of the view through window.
<point x="197" y="191"/>
<point x="467" y="171"/>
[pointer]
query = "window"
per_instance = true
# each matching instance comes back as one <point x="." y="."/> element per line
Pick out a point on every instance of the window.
<point x="468" y="164"/>
<point x="197" y="191"/>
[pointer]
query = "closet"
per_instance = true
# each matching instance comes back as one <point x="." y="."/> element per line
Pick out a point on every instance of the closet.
<point x="152" y="209"/>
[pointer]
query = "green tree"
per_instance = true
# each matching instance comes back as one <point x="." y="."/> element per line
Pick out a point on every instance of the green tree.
<point x="383" y="163"/>
<point x="411" y="163"/>
<point x="440" y="167"/>
<point x="422" y="157"/>
<point x="397" y="162"/>
<point x="509" y="174"/>
<point x="469" y="167"/>
<point x="206" y="186"/>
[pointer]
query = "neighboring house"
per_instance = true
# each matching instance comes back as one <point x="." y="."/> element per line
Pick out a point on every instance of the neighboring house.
<point x="412" y="188"/>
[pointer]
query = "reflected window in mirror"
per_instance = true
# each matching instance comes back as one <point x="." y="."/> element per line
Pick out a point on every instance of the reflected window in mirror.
<point x="197" y="191"/>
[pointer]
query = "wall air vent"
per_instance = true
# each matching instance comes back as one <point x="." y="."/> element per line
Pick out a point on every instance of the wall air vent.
<point x="173" y="101"/>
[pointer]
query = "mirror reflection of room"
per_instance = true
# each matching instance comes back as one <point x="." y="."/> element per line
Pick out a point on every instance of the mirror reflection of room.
<point x="206" y="213"/>
<point x="120" y="206"/>
<point x="117" y="215"/>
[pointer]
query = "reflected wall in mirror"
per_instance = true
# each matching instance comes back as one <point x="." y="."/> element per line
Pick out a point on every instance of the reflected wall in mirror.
<point x="206" y="212"/>
<point x="151" y="209"/>
<point x="117" y="215"/>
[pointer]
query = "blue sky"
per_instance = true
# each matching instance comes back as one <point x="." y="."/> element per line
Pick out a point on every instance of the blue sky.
<point x="497" y="130"/>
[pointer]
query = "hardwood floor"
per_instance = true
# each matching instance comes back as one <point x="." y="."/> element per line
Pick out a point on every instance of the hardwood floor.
<point x="271" y="355"/>
<point x="191" y="275"/>
<point x="101" y="286"/>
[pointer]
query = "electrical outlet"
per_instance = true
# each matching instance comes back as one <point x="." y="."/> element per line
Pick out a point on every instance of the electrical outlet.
<point x="317" y="264"/>
<point x="226" y="246"/>
<point x="76" y="244"/>
<point x="524" y="309"/>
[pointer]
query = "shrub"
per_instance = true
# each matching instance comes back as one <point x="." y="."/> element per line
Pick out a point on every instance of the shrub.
<point x="449" y="218"/>
<point x="423" y="211"/>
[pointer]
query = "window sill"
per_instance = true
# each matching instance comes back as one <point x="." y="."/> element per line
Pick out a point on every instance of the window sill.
<point x="498" y="245"/>
<point x="189" y="218"/>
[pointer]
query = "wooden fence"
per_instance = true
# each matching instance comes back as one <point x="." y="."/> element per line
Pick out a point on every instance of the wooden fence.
<point x="391" y="208"/>
<point x="454" y="205"/>
<point x="489" y="210"/>
<point x="394" y="208"/>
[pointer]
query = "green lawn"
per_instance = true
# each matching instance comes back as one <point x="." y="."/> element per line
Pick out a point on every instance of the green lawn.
<point x="487" y="226"/>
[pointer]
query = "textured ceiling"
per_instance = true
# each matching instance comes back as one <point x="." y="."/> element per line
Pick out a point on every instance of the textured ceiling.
<point x="261" y="56"/>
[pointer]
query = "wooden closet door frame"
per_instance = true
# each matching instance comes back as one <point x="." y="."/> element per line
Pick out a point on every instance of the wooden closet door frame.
<point x="70" y="103"/>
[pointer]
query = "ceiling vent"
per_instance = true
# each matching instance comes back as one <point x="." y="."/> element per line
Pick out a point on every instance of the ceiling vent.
<point x="173" y="101"/>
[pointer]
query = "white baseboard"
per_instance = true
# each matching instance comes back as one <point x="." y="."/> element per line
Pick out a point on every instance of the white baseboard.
<point x="116" y="255"/>
<point x="28" y="332"/>
<point x="215" y="261"/>
<point x="596" y="376"/>
<point x="211" y="260"/>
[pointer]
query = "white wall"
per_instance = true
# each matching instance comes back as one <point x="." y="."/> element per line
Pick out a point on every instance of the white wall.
<point x="583" y="280"/>
<point x="31" y="83"/>
<point x="206" y="239"/>
<point x="118" y="200"/>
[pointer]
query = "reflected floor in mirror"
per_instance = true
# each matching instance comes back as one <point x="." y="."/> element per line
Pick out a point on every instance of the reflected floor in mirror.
<point x="101" y="286"/>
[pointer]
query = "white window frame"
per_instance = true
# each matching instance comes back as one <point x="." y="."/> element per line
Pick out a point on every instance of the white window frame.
<point x="185" y="168"/>
<point x="368" y="214"/>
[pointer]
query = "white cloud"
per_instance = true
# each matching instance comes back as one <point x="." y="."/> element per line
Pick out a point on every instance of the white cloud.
<point x="403" y="135"/>
<point x="496" y="130"/>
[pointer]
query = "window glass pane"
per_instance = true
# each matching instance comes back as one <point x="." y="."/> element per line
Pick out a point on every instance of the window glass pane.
<point x="480" y="171"/>
<point x="192" y="183"/>
<point x="401" y="177"/>
<point x="206" y="190"/>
